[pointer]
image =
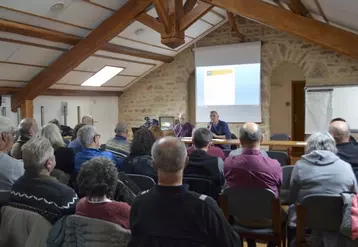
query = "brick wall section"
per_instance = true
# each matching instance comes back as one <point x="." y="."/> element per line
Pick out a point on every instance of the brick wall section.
<point x="164" y="91"/>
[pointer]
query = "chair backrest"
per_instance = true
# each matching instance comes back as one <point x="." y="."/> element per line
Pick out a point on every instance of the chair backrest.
<point x="143" y="182"/>
<point x="23" y="228"/>
<point x="286" y="176"/>
<point x="321" y="212"/>
<point x="280" y="156"/>
<point x="89" y="232"/>
<point x="201" y="186"/>
<point x="250" y="204"/>
<point x="280" y="137"/>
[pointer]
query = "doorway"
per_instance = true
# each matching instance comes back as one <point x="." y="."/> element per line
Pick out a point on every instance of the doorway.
<point x="298" y="114"/>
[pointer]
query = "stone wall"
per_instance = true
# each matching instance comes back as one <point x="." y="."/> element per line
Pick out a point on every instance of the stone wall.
<point x="164" y="91"/>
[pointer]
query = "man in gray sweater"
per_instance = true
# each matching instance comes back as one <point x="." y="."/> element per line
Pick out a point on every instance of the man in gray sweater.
<point x="11" y="169"/>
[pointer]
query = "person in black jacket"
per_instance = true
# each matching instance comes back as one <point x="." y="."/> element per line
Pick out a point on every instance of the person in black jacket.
<point x="171" y="215"/>
<point x="203" y="165"/>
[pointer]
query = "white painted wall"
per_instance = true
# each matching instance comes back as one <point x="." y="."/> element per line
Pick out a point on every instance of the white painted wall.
<point x="6" y="102"/>
<point x="104" y="110"/>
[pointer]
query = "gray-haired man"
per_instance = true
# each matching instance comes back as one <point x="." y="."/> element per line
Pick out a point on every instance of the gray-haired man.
<point x="119" y="143"/>
<point x="169" y="214"/>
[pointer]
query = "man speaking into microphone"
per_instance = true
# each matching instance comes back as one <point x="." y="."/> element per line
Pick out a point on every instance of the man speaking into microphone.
<point x="219" y="128"/>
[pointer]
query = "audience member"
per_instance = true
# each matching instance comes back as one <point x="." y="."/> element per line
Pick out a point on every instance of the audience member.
<point x="251" y="169"/>
<point x="239" y="151"/>
<point x="87" y="120"/>
<point x="156" y="131"/>
<point x="60" y="127"/>
<point x="139" y="160"/>
<point x="11" y="169"/>
<point x="351" y="138"/>
<point x="169" y="214"/>
<point x="36" y="190"/>
<point x="90" y="140"/>
<point x="219" y="128"/>
<point x="347" y="151"/>
<point x="203" y="165"/>
<point x="75" y="144"/>
<point x="320" y="171"/>
<point x="65" y="157"/>
<point x="184" y="128"/>
<point x="97" y="181"/>
<point x="119" y="143"/>
<point x="27" y="129"/>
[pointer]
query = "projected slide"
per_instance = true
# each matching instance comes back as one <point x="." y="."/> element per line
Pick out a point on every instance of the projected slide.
<point x="219" y="85"/>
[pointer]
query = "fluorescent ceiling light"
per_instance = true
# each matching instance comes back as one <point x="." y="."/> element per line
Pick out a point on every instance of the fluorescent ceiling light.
<point x="102" y="76"/>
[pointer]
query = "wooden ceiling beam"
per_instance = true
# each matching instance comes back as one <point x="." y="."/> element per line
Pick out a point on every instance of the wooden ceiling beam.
<point x="63" y="92"/>
<point x="93" y="42"/>
<point x="330" y="37"/>
<point x="234" y="28"/>
<point x="151" y="22"/>
<point x="297" y="7"/>
<point x="55" y="36"/>
<point x="278" y="3"/>
<point x="162" y="11"/>
<point x="199" y="11"/>
<point x="189" y="5"/>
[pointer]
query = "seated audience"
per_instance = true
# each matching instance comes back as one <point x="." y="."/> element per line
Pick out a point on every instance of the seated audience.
<point x="251" y="169"/>
<point x="347" y="151"/>
<point x="351" y="138"/>
<point x="97" y="181"/>
<point x="87" y="120"/>
<point x="183" y="128"/>
<point x="119" y="143"/>
<point x="203" y="165"/>
<point x="320" y="171"/>
<point x="239" y="150"/>
<point x="27" y="129"/>
<point x="36" y="190"/>
<point x="157" y="132"/>
<point x="60" y="127"/>
<point x="11" y="169"/>
<point x="75" y="144"/>
<point x="65" y="157"/>
<point x="169" y="214"/>
<point x="90" y="140"/>
<point x="139" y="160"/>
<point x="212" y="150"/>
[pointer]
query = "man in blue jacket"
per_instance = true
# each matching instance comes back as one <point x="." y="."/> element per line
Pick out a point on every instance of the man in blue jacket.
<point x="90" y="140"/>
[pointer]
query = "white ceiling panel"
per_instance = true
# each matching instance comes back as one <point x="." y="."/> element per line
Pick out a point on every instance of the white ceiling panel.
<point x="119" y="81"/>
<point x="92" y="16"/>
<point x="127" y="57"/>
<point x="343" y="12"/>
<point x="7" y="49"/>
<point x="12" y="84"/>
<point x="140" y="46"/>
<point x="17" y="72"/>
<point x="34" y="55"/>
<point x="148" y="36"/>
<point x="220" y="11"/>
<point x="96" y="63"/>
<point x="197" y="28"/>
<point x="33" y="40"/>
<point x="74" y="78"/>
<point x="112" y="4"/>
<point x="212" y="18"/>
<point x="40" y="22"/>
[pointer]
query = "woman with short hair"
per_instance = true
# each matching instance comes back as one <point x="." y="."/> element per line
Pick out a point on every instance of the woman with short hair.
<point x="139" y="160"/>
<point x="65" y="157"/>
<point x="97" y="181"/>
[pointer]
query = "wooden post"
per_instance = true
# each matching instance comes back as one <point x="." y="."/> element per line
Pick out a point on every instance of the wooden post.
<point x="27" y="109"/>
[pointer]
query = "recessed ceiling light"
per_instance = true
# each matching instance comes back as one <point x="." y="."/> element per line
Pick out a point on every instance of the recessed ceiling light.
<point x="102" y="76"/>
<point x="57" y="7"/>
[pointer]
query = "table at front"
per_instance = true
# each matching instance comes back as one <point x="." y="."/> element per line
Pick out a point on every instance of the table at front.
<point x="288" y="144"/>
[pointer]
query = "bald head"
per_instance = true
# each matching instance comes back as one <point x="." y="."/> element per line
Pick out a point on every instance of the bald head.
<point x="169" y="154"/>
<point x="250" y="135"/>
<point x="340" y="131"/>
<point x="28" y="128"/>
